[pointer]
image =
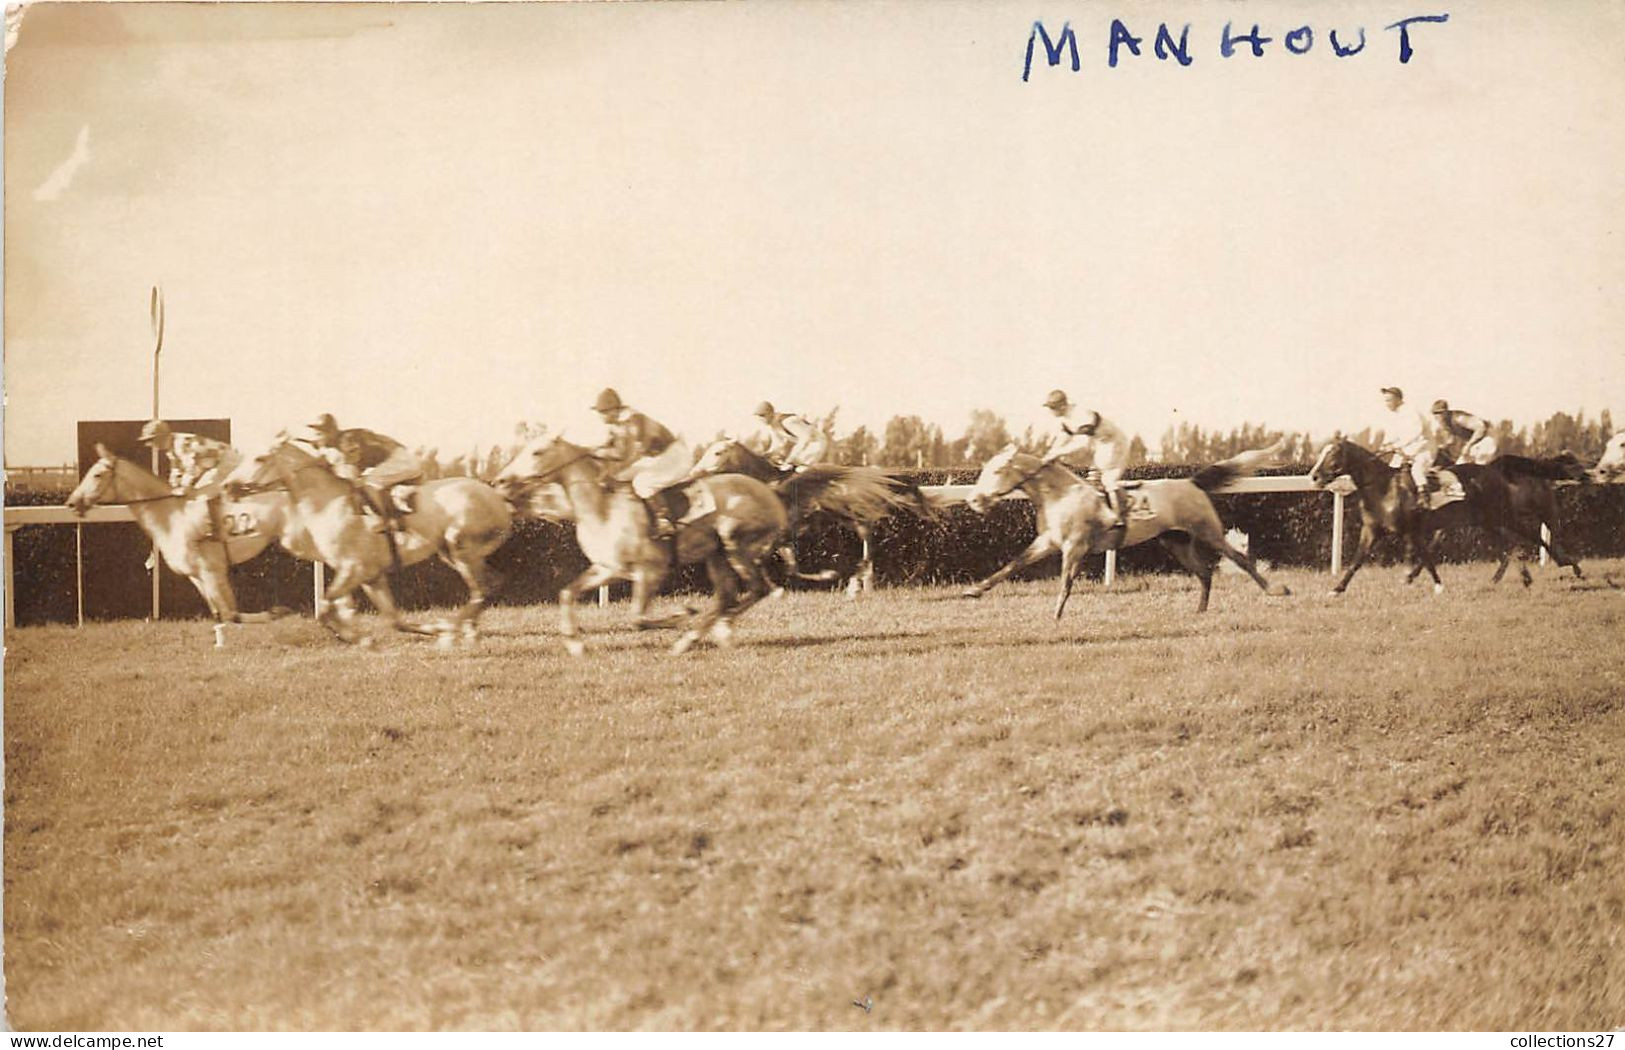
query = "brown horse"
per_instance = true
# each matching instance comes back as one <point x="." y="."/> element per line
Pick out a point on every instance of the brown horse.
<point x="1073" y="517"/>
<point x="1391" y="506"/>
<point x="856" y="496"/>
<point x="733" y="523"/>
<point x="1533" y="505"/>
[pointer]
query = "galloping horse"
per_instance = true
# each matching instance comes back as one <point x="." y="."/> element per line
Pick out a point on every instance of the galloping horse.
<point x="1532" y="503"/>
<point x="1073" y="517"/>
<point x="1390" y="505"/>
<point x="857" y="496"/>
<point x="460" y="520"/>
<point x="177" y="525"/>
<point x="733" y="525"/>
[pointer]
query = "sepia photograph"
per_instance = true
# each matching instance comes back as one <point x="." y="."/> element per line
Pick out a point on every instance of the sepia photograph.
<point x="855" y="515"/>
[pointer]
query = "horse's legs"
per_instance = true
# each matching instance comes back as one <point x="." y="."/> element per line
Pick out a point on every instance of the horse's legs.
<point x="595" y="575"/>
<point x="480" y="579"/>
<point x="383" y="599"/>
<point x="1183" y="547"/>
<point x="1368" y="536"/>
<point x="1040" y="547"/>
<point x="1244" y="561"/>
<point x="335" y="609"/>
<point x="1071" y="565"/>
<point x="724" y="585"/>
<point x="747" y="566"/>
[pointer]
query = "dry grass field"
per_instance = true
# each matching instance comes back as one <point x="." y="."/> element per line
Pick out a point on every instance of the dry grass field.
<point x="1397" y="810"/>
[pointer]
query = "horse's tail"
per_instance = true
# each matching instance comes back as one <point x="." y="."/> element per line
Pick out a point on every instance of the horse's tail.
<point x="861" y="494"/>
<point x="1241" y="465"/>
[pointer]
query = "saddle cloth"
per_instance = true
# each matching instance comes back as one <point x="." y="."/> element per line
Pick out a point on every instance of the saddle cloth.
<point x="1448" y="492"/>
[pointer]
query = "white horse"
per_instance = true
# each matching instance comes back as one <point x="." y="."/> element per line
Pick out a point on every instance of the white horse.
<point x="1612" y="463"/>
<point x="177" y="527"/>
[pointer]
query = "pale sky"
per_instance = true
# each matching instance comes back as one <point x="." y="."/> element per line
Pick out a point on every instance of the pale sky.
<point x="438" y="220"/>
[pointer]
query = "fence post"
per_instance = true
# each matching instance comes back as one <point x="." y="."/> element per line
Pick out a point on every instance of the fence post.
<point x="603" y="596"/>
<point x="79" y="571"/>
<point x="318" y="586"/>
<point x="1111" y="568"/>
<point x="1545" y="541"/>
<point x="11" y="581"/>
<point x="1337" y="533"/>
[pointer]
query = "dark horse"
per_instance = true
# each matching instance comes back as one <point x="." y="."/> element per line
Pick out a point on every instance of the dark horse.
<point x="1531" y="501"/>
<point x="1390" y="506"/>
<point x="858" y="496"/>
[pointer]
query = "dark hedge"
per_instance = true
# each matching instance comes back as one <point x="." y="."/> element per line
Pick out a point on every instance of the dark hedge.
<point x="1289" y="529"/>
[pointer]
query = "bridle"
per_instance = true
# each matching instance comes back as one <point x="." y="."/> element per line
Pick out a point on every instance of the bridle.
<point x="1022" y="480"/>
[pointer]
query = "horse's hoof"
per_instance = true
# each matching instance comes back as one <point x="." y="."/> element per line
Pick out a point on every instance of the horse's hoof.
<point x="722" y="635"/>
<point x="1438" y="588"/>
<point x="972" y="592"/>
<point x="683" y="644"/>
<point x="366" y="642"/>
<point x="445" y="641"/>
<point x="1334" y="594"/>
<point x="776" y="593"/>
<point x="1279" y="590"/>
<point x="574" y="646"/>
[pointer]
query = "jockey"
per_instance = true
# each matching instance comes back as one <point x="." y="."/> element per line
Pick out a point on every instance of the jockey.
<point x="793" y="441"/>
<point x="645" y="453"/>
<point x="1464" y="435"/>
<point x="197" y="467"/>
<point x="374" y="463"/>
<point x="1085" y="441"/>
<point x="1412" y="441"/>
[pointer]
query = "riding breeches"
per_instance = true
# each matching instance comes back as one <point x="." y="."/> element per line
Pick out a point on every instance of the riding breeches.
<point x="652" y="473"/>
<point x="1480" y="452"/>
<point x="399" y="468"/>
<point x="809" y="451"/>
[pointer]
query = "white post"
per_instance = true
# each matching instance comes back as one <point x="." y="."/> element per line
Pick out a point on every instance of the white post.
<point x="79" y="570"/>
<point x="1111" y="567"/>
<point x="1545" y="540"/>
<point x="11" y="582"/>
<point x="603" y="596"/>
<point x="868" y="576"/>
<point x="1337" y="533"/>
<point x="318" y="585"/>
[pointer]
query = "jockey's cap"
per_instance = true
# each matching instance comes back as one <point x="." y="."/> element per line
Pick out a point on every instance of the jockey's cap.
<point x="764" y="409"/>
<point x="1441" y="405"/>
<point x="325" y="424"/>
<point x="1056" y="399"/>
<point x="1394" y="390"/>
<point x="608" y="401"/>
<point x="153" y="428"/>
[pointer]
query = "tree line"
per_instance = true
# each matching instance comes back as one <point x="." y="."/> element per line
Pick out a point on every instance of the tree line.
<point x="911" y="441"/>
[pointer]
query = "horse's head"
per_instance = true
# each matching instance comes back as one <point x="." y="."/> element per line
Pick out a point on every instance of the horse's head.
<point x="99" y="485"/>
<point x="270" y="467"/>
<point x="1612" y="463"/>
<point x="1331" y="464"/>
<point x="1003" y="474"/>
<point x="541" y="461"/>
<point x="723" y="456"/>
<point x="1570" y="466"/>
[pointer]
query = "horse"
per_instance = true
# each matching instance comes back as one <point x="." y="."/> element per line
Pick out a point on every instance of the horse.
<point x="1074" y="518"/>
<point x="1612" y="463"/>
<point x="733" y="523"/>
<point x="460" y="520"/>
<point x="177" y="526"/>
<point x="856" y="496"/>
<point x="1390" y="505"/>
<point x="1533" y="503"/>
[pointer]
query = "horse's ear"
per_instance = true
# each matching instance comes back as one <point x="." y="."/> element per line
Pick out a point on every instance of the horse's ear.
<point x="1337" y="435"/>
<point x="103" y="452"/>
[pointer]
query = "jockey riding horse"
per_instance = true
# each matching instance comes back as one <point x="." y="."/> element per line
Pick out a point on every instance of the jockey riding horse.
<point x="1091" y="445"/>
<point x="374" y="463"/>
<point x="197" y="467"/>
<point x="646" y="454"/>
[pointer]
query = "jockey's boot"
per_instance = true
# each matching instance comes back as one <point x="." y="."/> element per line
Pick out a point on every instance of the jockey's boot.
<point x="378" y="503"/>
<point x="1119" y="526"/>
<point x="660" y="517"/>
<point x="217" y="521"/>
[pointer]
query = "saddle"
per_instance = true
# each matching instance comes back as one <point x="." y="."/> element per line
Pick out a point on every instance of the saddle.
<point x="1449" y="490"/>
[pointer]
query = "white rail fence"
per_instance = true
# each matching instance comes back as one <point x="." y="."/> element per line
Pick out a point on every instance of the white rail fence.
<point x="17" y="517"/>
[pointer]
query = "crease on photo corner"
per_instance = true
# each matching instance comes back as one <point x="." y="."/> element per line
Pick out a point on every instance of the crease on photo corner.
<point x="14" y="24"/>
